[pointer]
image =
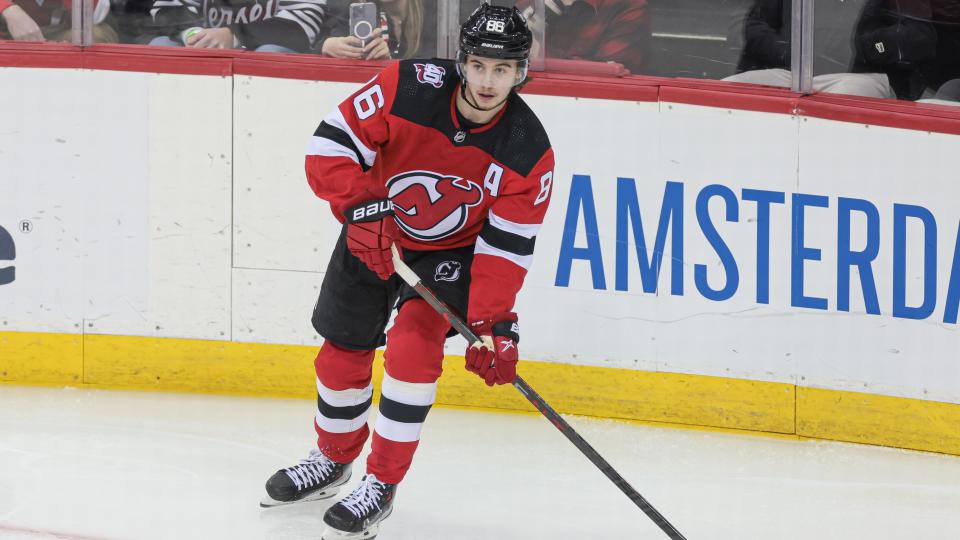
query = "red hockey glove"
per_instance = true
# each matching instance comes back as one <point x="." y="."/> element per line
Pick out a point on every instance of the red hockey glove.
<point x="496" y="360"/>
<point x="371" y="231"/>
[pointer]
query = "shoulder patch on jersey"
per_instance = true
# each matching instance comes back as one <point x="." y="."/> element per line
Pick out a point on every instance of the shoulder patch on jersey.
<point x="431" y="74"/>
<point x="424" y="93"/>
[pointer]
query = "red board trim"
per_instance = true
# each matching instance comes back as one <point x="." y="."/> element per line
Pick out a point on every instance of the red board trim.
<point x="725" y="97"/>
<point x="569" y="78"/>
<point x="878" y="112"/>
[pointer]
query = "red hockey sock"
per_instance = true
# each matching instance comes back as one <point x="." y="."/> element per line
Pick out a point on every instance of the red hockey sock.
<point x="414" y="359"/>
<point x="343" y="401"/>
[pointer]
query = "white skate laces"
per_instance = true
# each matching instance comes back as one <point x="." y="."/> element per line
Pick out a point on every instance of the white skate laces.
<point x="311" y="470"/>
<point x="365" y="497"/>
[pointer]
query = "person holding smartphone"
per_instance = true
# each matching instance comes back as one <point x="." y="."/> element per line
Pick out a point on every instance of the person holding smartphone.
<point x="444" y="160"/>
<point x="378" y="30"/>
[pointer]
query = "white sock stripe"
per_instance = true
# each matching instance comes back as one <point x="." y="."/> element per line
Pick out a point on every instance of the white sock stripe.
<point x="350" y="397"/>
<point x="522" y="229"/>
<point x="408" y="393"/>
<point x="397" y="431"/>
<point x="336" y="425"/>
<point x="523" y="261"/>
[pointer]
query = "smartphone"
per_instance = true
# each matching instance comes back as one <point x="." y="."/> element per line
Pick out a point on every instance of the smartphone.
<point x="363" y="20"/>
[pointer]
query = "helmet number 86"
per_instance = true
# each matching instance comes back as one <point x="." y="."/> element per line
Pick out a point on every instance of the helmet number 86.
<point x="496" y="26"/>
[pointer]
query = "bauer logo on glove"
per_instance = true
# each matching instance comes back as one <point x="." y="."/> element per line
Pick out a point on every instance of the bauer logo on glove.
<point x="371" y="230"/>
<point x="373" y="211"/>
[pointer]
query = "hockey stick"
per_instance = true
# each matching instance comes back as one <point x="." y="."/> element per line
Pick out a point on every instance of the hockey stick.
<point x="411" y="278"/>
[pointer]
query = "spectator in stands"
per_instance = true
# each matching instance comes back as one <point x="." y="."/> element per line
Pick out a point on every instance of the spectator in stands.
<point x="943" y="73"/>
<point x="49" y="20"/>
<point x="597" y="30"/>
<point x="869" y="48"/>
<point x="948" y="91"/>
<point x="410" y="32"/>
<point x="261" y="25"/>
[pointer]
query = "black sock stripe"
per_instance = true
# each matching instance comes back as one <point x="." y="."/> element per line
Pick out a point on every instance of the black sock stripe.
<point x="340" y="137"/>
<point x="401" y="412"/>
<point x="342" y="413"/>
<point x="506" y="240"/>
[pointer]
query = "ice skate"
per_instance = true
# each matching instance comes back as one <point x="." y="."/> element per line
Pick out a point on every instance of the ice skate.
<point x="359" y="514"/>
<point x="316" y="477"/>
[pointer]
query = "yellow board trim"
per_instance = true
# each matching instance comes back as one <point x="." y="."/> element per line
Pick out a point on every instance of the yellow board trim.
<point x="882" y="420"/>
<point x="39" y="358"/>
<point x="220" y="367"/>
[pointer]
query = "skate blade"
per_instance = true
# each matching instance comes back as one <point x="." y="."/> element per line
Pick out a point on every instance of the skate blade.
<point x="335" y="534"/>
<point x="270" y="502"/>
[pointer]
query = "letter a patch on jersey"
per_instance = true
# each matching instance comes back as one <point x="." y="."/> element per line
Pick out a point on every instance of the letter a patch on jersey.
<point x="431" y="74"/>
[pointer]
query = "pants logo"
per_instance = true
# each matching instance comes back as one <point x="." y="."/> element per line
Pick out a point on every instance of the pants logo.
<point x="447" y="271"/>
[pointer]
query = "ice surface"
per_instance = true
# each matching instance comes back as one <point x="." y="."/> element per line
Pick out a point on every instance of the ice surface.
<point x="90" y="464"/>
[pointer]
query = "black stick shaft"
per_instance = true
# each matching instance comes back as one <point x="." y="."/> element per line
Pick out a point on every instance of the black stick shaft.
<point x="545" y="409"/>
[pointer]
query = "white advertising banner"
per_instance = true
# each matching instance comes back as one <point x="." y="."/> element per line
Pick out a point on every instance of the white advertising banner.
<point x="118" y="207"/>
<point x="680" y="238"/>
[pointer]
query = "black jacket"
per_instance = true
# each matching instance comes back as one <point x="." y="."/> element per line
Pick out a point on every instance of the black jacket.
<point x="850" y="36"/>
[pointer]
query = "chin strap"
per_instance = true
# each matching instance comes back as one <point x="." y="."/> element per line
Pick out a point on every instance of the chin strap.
<point x="463" y="94"/>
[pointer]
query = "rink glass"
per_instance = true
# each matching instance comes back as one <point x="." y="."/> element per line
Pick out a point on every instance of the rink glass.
<point x="699" y="39"/>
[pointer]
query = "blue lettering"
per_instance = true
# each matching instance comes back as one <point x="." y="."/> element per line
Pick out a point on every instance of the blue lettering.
<point x="900" y="214"/>
<point x="712" y="236"/>
<point x="628" y="211"/>
<point x="861" y="259"/>
<point x="801" y="253"/>
<point x="852" y="255"/>
<point x="953" y="290"/>
<point x="581" y="195"/>
<point x="764" y="199"/>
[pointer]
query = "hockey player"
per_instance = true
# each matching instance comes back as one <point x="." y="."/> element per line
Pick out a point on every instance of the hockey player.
<point x="445" y="160"/>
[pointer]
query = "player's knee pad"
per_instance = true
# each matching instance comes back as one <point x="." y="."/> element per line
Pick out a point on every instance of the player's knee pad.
<point x="338" y="368"/>
<point x="415" y="343"/>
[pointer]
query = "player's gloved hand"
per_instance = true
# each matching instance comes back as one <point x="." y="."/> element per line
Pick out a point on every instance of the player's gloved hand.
<point x="496" y="360"/>
<point x="371" y="230"/>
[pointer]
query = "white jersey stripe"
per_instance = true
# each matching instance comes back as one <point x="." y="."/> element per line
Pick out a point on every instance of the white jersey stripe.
<point x="420" y="394"/>
<point x="522" y="229"/>
<point x="397" y="431"/>
<point x="322" y="146"/>
<point x="344" y="398"/>
<point x="523" y="261"/>
<point x="336" y="119"/>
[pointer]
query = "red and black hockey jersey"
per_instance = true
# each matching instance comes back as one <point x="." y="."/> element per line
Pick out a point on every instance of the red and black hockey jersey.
<point x="451" y="186"/>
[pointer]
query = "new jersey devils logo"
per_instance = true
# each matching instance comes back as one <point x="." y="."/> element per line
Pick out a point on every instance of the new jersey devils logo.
<point x="447" y="271"/>
<point x="430" y="206"/>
